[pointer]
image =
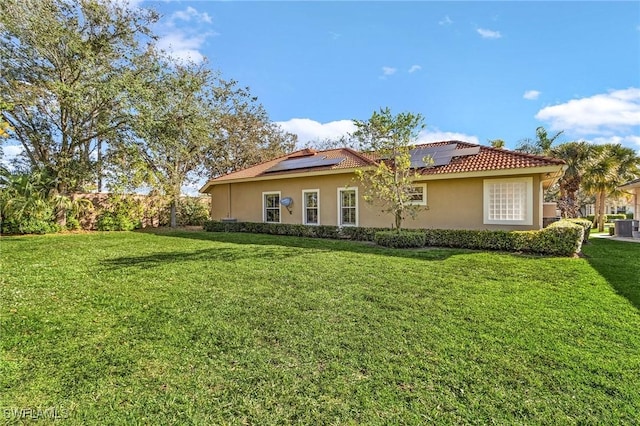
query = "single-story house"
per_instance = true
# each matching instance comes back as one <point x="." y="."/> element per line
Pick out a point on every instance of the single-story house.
<point x="465" y="186"/>
<point x="634" y="188"/>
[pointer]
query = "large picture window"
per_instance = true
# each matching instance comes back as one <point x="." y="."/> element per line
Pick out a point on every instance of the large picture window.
<point x="348" y="207"/>
<point x="508" y="201"/>
<point x="271" y="207"/>
<point x="311" y="207"/>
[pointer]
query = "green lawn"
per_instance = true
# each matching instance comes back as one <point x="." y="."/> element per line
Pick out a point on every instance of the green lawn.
<point x="204" y="328"/>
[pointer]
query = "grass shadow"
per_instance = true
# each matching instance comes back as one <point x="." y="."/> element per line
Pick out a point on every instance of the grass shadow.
<point x="619" y="263"/>
<point x="222" y="254"/>
<point x="425" y="253"/>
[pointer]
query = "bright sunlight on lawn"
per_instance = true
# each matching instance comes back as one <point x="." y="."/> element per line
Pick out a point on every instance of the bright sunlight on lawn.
<point x="203" y="328"/>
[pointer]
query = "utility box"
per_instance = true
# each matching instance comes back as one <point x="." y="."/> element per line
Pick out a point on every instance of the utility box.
<point x="626" y="227"/>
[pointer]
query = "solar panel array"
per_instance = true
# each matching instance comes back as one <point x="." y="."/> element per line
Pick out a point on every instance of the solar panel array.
<point x="432" y="156"/>
<point x="304" y="163"/>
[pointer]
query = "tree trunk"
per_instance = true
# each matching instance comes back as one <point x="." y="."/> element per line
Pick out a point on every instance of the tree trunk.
<point x="398" y="221"/>
<point x="174" y="207"/>
<point x="60" y="208"/>
<point x="99" y="165"/>
<point x="602" y="198"/>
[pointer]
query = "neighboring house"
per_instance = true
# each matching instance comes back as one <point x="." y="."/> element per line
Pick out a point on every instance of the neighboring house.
<point x="611" y="206"/>
<point x="468" y="187"/>
<point x="634" y="188"/>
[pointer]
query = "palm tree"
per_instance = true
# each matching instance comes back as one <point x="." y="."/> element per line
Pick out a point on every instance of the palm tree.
<point x="576" y="155"/>
<point x="497" y="143"/>
<point x="609" y="167"/>
<point x="542" y="144"/>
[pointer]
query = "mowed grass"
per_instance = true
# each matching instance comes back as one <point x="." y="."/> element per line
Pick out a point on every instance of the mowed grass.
<point x="207" y="328"/>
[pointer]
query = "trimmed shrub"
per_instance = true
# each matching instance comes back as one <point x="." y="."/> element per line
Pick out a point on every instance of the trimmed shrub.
<point x="322" y="231"/>
<point x="562" y="238"/>
<point x="629" y="215"/>
<point x="586" y="224"/>
<point x="617" y="216"/>
<point x="608" y="217"/>
<point x="359" y="233"/>
<point x="400" y="239"/>
<point x="462" y="238"/>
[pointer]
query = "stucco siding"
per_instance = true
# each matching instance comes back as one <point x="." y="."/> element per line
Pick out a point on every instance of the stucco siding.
<point x="452" y="203"/>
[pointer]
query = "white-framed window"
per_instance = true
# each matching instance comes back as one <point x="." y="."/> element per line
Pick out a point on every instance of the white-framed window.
<point x="311" y="206"/>
<point x="271" y="207"/>
<point x="508" y="201"/>
<point x="419" y="194"/>
<point x="347" y="206"/>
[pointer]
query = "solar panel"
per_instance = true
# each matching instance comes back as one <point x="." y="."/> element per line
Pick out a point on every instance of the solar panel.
<point x="304" y="163"/>
<point x="464" y="152"/>
<point x="435" y="155"/>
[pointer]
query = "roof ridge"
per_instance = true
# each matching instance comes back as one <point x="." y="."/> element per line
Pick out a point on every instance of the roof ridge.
<point x="524" y="154"/>
<point x="358" y="154"/>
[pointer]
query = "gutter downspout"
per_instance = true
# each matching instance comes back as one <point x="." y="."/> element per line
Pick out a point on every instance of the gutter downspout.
<point x="229" y="200"/>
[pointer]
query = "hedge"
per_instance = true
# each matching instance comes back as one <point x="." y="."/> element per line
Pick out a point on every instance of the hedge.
<point x="400" y="239"/>
<point x="610" y="217"/>
<point x="562" y="238"/>
<point x="586" y="225"/>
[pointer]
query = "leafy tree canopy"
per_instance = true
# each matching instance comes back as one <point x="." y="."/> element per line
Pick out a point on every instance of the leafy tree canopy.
<point x="70" y="70"/>
<point x="391" y="182"/>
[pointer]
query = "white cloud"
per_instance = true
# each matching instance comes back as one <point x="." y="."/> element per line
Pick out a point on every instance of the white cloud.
<point x="12" y="150"/>
<point x="129" y="4"/>
<point x="190" y="14"/>
<point x="9" y="153"/>
<point x="629" y="140"/>
<point x="607" y="114"/>
<point x="446" y="21"/>
<point x="484" y="33"/>
<point x="389" y="70"/>
<point x="191" y="189"/>
<point x="414" y="68"/>
<point x="531" y="94"/>
<point x="437" y="135"/>
<point x="311" y="130"/>
<point x="183" y="34"/>
<point x="182" y="46"/>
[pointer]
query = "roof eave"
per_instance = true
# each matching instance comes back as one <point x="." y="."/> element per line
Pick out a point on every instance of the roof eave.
<point x="263" y="177"/>
<point x="554" y="172"/>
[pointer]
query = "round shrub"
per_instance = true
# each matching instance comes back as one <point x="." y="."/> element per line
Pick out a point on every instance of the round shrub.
<point x="192" y="211"/>
<point x="400" y="239"/>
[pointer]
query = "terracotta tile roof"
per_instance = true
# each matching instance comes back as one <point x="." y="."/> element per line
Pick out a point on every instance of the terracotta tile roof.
<point x="486" y="159"/>
<point x="490" y="159"/>
<point x="631" y="184"/>
<point x="351" y="160"/>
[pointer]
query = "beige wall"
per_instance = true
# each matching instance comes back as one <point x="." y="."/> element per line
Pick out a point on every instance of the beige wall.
<point x="550" y="210"/>
<point x="452" y="203"/>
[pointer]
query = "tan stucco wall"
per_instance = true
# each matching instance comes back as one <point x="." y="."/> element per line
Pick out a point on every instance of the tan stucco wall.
<point x="549" y="210"/>
<point x="636" y="203"/>
<point x="453" y="203"/>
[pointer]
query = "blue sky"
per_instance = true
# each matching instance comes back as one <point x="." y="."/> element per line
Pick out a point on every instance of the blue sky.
<point x="475" y="70"/>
